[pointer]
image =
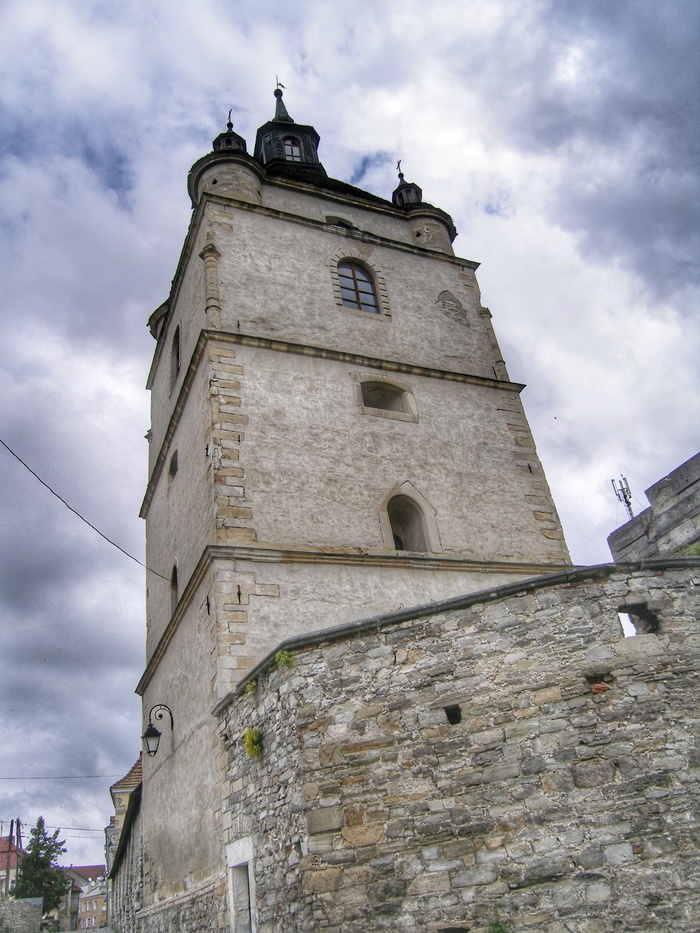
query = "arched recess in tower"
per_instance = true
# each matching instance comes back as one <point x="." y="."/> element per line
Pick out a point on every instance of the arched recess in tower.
<point x="407" y="524"/>
<point x="408" y="521"/>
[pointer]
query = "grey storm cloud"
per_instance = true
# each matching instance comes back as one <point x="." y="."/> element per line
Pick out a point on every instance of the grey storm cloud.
<point x="628" y="128"/>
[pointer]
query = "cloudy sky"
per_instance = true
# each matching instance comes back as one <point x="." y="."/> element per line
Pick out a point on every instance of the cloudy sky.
<point x="562" y="136"/>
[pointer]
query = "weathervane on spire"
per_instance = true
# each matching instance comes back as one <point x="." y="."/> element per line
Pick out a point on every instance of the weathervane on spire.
<point x="229" y="124"/>
<point x="279" y="83"/>
<point x="398" y="169"/>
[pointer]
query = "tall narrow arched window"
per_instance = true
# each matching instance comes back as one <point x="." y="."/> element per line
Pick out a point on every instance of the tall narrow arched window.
<point x="173" y="590"/>
<point x="175" y="358"/>
<point x="357" y="288"/>
<point x="292" y="149"/>
<point x="407" y="526"/>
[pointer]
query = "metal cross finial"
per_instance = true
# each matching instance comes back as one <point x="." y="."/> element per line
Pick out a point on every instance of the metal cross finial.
<point x="398" y="166"/>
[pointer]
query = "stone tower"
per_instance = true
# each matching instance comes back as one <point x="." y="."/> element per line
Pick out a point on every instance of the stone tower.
<point x="334" y="435"/>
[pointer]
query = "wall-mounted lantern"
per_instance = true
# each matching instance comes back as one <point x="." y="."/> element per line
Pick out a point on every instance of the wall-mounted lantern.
<point x="151" y="737"/>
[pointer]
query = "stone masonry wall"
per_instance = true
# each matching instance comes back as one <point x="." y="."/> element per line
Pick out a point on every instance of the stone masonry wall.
<point x="565" y="798"/>
<point x="19" y="916"/>
<point x="126" y="894"/>
<point x="200" y="910"/>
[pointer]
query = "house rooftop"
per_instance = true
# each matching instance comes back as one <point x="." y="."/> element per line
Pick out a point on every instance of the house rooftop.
<point x="132" y="779"/>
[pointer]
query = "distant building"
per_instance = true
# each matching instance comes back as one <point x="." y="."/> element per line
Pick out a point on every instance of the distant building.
<point x="671" y="524"/>
<point x="80" y="877"/>
<point x="9" y="857"/>
<point x="124" y="856"/>
<point x="121" y="793"/>
<point x="92" y="906"/>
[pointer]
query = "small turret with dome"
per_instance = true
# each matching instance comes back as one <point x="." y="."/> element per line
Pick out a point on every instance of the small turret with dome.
<point x="229" y="141"/>
<point x="407" y="192"/>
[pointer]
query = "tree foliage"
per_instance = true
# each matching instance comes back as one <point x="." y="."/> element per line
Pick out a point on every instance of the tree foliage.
<point x="38" y="874"/>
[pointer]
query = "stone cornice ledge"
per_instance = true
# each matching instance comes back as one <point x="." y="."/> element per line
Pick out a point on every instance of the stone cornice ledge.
<point x="348" y="630"/>
<point x="310" y="555"/>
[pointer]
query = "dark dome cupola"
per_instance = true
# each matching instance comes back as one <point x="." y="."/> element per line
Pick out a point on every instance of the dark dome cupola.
<point x="407" y="192"/>
<point x="286" y="147"/>
<point x="229" y="141"/>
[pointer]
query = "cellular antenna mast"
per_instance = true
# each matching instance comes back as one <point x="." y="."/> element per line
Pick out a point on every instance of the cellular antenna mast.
<point x="622" y="491"/>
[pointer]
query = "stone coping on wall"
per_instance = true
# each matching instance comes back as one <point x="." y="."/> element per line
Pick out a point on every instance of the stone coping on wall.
<point x="340" y="632"/>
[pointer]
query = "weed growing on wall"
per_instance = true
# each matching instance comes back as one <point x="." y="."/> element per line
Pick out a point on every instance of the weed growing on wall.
<point x="496" y="926"/>
<point x="253" y="742"/>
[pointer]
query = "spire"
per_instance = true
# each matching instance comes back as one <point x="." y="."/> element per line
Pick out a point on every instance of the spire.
<point x="283" y="146"/>
<point x="281" y="115"/>
<point x="407" y="192"/>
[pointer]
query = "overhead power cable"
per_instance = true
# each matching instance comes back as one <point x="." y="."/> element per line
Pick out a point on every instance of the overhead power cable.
<point x="55" y="777"/>
<point x="68" y="830"/>
<point x="81" y="517"/>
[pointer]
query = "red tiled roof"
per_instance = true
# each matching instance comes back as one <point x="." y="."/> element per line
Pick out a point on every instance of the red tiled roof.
<point x="89" y="871"/>
<point x="6" y="850"/>
<point x="132" y="779"/>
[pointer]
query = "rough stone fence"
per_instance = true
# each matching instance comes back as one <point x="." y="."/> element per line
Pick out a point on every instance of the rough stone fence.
<point x="19" y="916"/>
<point x="506" y="758"/>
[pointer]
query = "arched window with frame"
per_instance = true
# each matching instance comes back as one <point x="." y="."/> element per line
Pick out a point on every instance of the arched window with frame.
<point x="407" y="524"/>
<point x="292" y="149"/>
<point x="357" y="288"/>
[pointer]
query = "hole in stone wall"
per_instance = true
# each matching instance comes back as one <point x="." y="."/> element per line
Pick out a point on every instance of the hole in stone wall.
<point x="172" y="469"/>
<point x="638" y="619"/>
<point x="627" y="625"/>
<point x="454" y="714"/>
<point x="600" y="677"/>
<point x="600" y="681"/>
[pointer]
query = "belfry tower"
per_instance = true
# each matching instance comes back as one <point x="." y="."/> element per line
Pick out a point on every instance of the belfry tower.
<point x="334" y="435"/>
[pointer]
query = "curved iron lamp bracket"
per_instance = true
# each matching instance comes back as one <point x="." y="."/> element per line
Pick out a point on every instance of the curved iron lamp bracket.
<point x="151" y="737"/>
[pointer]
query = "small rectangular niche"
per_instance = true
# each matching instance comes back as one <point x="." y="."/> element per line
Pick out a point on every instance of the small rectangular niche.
<point x="384" y="398"/>
<point x="453" y="713"/>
